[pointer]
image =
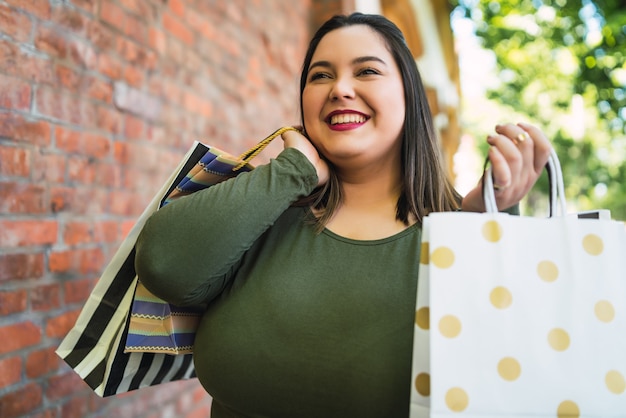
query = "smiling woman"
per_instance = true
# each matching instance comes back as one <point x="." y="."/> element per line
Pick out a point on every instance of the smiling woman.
<point x="311" y="293"/>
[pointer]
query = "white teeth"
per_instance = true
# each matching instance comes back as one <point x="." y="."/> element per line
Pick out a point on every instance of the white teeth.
<point x="347" y="118"/>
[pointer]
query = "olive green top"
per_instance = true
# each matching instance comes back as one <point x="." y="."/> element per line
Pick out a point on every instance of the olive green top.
<point x="299" y="324"/>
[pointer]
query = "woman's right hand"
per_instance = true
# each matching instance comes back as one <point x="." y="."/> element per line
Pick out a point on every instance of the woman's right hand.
<point x="294" y="139"/>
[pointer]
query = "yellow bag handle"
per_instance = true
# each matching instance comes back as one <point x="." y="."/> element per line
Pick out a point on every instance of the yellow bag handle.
<point x="247" y="156"/>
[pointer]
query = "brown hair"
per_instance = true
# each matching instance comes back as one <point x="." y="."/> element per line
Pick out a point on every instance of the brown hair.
<point x="425" y="186"/>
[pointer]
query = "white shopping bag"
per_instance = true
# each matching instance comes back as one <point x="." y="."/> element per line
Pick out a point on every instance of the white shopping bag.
<point x="520" y="316"/>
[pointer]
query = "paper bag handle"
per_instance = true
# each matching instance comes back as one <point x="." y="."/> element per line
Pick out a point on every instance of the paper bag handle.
<point x="247" y="156"/>
<point x="557" y="188"/>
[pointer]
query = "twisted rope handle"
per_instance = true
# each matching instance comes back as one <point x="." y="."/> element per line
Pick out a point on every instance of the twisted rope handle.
<point x="247" y="156"/>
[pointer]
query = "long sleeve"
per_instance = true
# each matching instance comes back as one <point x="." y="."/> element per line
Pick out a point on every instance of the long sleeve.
<point x="186" y="250"/>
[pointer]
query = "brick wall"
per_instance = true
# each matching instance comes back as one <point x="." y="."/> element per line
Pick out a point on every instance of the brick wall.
<point x="98" y="101"/>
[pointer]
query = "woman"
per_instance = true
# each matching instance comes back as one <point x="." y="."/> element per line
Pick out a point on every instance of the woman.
<point x="310" y="307"/>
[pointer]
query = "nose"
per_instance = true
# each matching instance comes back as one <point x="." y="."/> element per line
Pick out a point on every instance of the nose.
<point x="342" y="88"/>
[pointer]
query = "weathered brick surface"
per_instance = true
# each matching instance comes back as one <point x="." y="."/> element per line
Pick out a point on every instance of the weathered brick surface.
<point x="99" y="99"/>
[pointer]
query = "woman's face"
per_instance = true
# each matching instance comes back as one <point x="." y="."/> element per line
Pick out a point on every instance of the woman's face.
<point x="353" y="99"/>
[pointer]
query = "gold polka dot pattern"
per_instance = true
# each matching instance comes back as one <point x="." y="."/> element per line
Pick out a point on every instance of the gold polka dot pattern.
<point x="593" y="244"/>
<point x="568" y="409"/>
<point x="615" y="382"/>
<point x="501" y="297"/>
<point x="508" y="301"/>
<point x="422" y="384"/>
<point x="509" y="369"/>
<point x="604" y="311"/>
<point x="450" y="326"/>
<point x="457" y="399"/>
<point x="422" y="318"/>
<point x="442" y="257"/>
<point x="492" y="231"/>
<point x="547" y="271"/>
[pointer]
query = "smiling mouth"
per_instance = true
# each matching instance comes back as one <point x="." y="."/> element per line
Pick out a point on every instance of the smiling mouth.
<point x="347" y="118"/>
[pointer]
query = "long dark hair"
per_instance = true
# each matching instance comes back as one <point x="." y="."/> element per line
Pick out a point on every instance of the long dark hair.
<point x="425" y="186"/>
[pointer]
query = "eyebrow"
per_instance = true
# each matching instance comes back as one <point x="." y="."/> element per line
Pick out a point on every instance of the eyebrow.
<point x="358" y="60"/>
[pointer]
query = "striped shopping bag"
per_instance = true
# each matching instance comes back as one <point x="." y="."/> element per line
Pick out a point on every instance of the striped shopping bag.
<point x="107" y="347"/>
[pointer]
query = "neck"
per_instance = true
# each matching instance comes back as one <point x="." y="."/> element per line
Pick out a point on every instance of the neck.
<point x="369" y="206"/>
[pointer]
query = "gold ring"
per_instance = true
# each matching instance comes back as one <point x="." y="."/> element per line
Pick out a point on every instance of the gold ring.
<point x="496" y="187"/>
<point x="522" y="137"/>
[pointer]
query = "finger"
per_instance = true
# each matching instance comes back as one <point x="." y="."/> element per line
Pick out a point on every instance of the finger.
<point x="500" y="169"/>
<point x="508" y="152"/>
<point x="541" y="146"/>
<point x="524" y="170"/>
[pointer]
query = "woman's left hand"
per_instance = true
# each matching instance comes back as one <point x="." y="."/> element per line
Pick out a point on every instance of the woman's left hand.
<point x="518" y="155"/>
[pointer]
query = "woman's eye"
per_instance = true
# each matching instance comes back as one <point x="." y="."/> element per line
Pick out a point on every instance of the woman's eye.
<point x="368" y="71"/>
<point x="318" y="76"/>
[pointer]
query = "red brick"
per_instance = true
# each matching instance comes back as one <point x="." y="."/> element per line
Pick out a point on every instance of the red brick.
<point x="20" y="402"/>
<point x="157" y="40"/>
<point x="108" y="175"/>
<point x="122" y="204"/>
<point x="177" y="29"/>
<point x="202" y="25"/>
<point x="112" y="14"/>
<point x="89" y="6"/>
<point x="10" y="371"/>
<point x="68" y="77"/>
<point x="51" y="41"/>
<point x="14" y="24"/>
<point x="62" y="105"/>
<point x="76" y="407"/>
<point x="70" y="19"/>
<point x="86" y="232"/>
<point x="76" y="261"/>
<point x="101" y="36"/>
<point x="20" y="266"/>
<point x="106" y="231"/>
<point x="48" y="167"/>
<point x="109" y="119"/>
<point x="79" y="200"/>
<point x="82" y="54"/>
<point x="98" y="89"/>
<point x="40" y="9"/>
<point x="17" y="128"/>
<point x="49" y="413"/>
<point x="125" y="228"/>
<point x="81" y="170"/>
<point x="134" y="76"/>
<point x="177" y="7"/>
<point x="19" y="64"/>
<point x="12" y="302"/>
<point x="201" y="411"/>
<point x="110" y="66"/>
<point x="67" y="139"/>
<point x="15" y="337"/>
<point x="64" y="385"/>
<point x="78" y="233"/>
<point x="77" y="291"/>
<point x="25" y="233"/>
<point x="133" y="127"/>
<point x="41" y="362"/>
<point x="60" y="325"/>
<point x="45" y="297"/>
<point x="22" y="198"/>
<point x="142" y="8"/>
<point x="136" y="29"/>
<point x="14" y="161"/>
<point x="136" y="54"/>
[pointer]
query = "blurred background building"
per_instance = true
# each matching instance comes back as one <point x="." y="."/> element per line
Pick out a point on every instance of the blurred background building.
<point x="99" y="99"/>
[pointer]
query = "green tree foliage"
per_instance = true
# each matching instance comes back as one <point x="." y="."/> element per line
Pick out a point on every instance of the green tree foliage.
<point x="562" y="64"/>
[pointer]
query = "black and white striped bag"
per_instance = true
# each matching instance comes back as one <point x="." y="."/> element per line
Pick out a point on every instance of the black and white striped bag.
<point x="94" y="347"/>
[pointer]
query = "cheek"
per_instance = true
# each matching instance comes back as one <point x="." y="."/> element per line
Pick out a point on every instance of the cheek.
<point x="313" y="100"/>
